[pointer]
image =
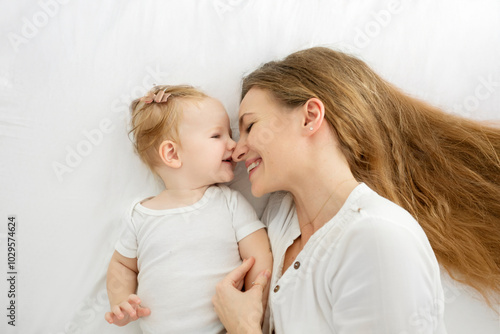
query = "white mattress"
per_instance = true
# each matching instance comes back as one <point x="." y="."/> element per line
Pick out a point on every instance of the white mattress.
<point x="68" y="70"/>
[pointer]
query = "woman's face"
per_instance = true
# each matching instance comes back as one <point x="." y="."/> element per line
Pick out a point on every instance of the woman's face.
<point x="266" y="141"/>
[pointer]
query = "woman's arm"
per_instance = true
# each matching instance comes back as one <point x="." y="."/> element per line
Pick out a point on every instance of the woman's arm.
<point x="241" y="312"/>
<point x="387" y="280"/>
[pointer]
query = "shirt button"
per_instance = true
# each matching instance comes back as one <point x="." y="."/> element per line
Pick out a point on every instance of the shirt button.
<point x="356" y="208"/>
<point x="296" y="265"/>
<point x="276" y="288"/>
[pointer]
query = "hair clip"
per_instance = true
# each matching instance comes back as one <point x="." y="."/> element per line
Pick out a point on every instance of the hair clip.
<point x="159" y="97"/>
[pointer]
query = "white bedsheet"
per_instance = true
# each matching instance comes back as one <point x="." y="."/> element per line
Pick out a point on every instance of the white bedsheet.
<point x="69" y="69"/>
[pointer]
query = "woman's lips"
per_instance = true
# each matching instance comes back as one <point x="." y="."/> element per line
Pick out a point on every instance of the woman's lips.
<point x="252" y="165"/>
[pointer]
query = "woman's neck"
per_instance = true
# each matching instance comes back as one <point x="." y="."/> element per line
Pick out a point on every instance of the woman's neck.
<point x="316" y="203"/>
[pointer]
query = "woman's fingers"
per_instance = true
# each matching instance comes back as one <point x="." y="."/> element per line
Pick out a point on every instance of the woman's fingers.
<point x="233" y="282"/>
<point x="237" y="276"/>
<point x="240" y="312"/>
<point x="261" y="281"/>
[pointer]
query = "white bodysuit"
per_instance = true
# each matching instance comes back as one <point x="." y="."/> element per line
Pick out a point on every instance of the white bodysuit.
<point x="182" y="254"/>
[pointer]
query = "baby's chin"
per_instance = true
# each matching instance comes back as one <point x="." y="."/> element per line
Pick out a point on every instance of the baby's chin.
<point x="226" y="177"/>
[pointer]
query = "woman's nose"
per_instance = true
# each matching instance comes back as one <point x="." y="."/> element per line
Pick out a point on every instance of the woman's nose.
<point x="239" y="151"/>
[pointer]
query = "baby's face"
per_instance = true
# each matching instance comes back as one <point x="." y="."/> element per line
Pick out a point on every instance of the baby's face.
<point x="206" y="143"/>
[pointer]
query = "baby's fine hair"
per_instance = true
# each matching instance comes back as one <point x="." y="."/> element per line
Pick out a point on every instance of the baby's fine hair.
<point x="153" y="122"/>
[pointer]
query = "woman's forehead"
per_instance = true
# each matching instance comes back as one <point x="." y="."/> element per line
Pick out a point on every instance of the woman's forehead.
<point x="255" y="100"/>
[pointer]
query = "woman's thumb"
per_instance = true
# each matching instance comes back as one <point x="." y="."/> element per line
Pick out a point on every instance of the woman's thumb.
<point x="262" y="280"/>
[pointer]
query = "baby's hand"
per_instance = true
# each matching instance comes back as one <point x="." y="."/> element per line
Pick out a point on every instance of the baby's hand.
<point x="127" y="311"/>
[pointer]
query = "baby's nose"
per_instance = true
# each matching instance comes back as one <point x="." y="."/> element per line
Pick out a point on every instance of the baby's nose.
<point x="231" y="144"/>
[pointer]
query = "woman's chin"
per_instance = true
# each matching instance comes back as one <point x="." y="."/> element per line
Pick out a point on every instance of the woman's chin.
<point x="259" y="191"/>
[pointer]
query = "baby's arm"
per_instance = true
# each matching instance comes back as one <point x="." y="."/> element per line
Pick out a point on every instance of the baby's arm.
<point x="257" y="245"/>
<point x="121" y="284"/>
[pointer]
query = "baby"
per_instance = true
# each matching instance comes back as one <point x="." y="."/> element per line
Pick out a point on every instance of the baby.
<point x="179" y="244"/>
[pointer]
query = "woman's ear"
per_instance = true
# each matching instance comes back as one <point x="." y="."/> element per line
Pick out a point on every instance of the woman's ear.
<point x="313" y="115"/>
<point x="169" y="154"/>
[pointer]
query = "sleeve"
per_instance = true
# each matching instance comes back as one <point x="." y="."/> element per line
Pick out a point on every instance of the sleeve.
<point x="245" y="220"/>
<point x="127" y="243"/>
<point x="386" y="281"/>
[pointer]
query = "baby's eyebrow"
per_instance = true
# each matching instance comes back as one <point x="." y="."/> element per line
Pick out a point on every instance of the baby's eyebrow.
<point x="218" y="128"/>
<point x="212" y="129"/>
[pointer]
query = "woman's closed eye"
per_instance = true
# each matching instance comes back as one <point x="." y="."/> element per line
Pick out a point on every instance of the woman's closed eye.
<point x="249" y="127"/>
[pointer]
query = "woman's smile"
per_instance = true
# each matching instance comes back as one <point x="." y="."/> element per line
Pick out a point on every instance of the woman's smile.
<point x="252" y="165"/>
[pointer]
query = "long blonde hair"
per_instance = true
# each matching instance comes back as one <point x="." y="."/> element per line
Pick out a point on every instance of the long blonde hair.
<point x="442" y="168"/>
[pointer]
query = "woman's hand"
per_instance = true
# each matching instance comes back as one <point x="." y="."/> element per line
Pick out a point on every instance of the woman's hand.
<point x="241" y="312"/>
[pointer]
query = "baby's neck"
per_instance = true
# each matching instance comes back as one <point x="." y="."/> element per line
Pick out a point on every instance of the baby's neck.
<point x="175" y="198"/>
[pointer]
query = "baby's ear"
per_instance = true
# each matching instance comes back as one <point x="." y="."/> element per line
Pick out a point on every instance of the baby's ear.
<point x="169" y="155"/>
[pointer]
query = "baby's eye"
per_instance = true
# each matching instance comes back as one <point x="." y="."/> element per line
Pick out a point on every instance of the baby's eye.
<point x="216" y="136"/>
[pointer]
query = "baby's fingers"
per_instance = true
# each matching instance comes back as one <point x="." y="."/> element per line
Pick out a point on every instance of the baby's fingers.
<point x="128" y="309"/>
<point x="134" y="299"/>
<point x="116" y="310"/>
<point x="143" y="312"/>
<point x="109" y="317"/>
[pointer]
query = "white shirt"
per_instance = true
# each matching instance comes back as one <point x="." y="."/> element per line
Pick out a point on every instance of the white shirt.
<point x="182" y="254"/>
<point x="370" y="269"/>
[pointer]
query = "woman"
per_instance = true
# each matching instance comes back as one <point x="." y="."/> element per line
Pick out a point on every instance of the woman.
<point x="323" y="127"/>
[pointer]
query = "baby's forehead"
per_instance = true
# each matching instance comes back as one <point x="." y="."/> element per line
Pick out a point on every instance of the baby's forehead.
<point x="202" y="104"/>
<point x="212" y="102"/>
<point x="207" y="113"/>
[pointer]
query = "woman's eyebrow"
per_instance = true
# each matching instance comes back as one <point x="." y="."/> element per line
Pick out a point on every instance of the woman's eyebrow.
<point x="242" y="116"/>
